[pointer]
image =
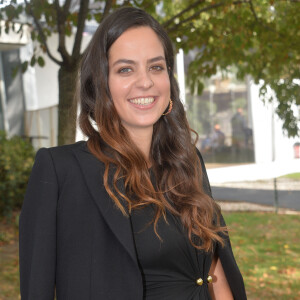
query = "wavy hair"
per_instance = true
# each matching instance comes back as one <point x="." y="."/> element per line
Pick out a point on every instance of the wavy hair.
<point x="175" y="164"/>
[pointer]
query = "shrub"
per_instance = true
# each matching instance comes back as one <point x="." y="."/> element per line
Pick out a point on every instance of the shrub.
<point x="16" y="160"/>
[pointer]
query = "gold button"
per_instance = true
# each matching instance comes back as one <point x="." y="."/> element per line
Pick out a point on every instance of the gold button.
<point x="209" y="279"/>
<point x="199" y="281"/>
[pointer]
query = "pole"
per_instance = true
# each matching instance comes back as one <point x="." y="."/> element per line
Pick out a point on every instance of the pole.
<point x="273" y="159"/>
<point x="180" y="74"/>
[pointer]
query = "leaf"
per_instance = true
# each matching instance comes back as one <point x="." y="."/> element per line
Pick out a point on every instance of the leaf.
<point x="41" y="61"/>
<point x="33" y="60"/>
<point x="98" y="17"/>
<point x="43" y="47"/>
<point x="6" y="29"/>
<point x="15" y="71"/>
<point x="33" y="35"/>
<point x="24" y="66"/>
<point x="238" y="41"/>
<point x="68" y="29"/>
<point x="20" y="30"/>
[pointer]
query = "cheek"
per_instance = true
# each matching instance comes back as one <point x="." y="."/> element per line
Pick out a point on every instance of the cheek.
<point x="118" y="88"/>
<point x="165" y="86"/>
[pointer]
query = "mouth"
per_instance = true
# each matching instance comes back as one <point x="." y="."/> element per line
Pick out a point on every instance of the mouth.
<point x="144" y="101"/>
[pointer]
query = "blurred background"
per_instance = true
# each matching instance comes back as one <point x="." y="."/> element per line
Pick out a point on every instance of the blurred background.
<point x="238" y="69"/>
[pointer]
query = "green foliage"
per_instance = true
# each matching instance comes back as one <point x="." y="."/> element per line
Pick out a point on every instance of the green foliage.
<point x="16" y="160"/>
<point x="260" y="38"/>
<point x="257" y="38"/>
<point x="41" y="61"/>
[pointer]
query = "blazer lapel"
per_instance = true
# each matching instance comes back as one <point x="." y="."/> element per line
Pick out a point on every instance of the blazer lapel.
<point x="119" y="224"/>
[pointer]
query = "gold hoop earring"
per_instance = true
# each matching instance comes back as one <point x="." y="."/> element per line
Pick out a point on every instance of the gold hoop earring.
<point x="170" y="108"/>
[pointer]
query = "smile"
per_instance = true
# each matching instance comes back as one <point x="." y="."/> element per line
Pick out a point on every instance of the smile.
<point x="142" y="101"/>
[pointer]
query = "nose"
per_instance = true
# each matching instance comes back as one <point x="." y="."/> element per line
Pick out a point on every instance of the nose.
<point x="144" y="80"/>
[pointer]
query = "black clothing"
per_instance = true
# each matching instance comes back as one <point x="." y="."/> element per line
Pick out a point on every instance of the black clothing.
<point x="172" y="266"/>
<point x="75" y="241"/>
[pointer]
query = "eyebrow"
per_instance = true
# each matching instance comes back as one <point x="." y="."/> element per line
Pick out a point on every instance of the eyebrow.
<point x="132" y="62"/>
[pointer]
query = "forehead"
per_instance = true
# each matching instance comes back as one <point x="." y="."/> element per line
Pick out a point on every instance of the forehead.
<point x="136" y="43"/>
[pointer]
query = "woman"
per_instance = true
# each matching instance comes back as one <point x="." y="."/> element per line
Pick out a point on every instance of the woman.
<point x="129" y="214"/>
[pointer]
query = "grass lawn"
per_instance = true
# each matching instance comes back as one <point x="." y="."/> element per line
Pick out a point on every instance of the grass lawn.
<point x="9" y="262"/>
<point x="295" y="176"/>
<point x="266" y="246"/>
<point x="267" y="249"/>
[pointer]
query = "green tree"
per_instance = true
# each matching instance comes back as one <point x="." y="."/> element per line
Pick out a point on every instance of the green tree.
<point x="260" y="38"/>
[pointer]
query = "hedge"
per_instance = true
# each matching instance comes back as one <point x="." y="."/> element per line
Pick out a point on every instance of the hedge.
<point x="16" y="160"/>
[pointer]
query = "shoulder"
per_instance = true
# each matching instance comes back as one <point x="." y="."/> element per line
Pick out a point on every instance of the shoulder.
<point x="61" y="154"/>
<point x="66" y="150"/>
<point x="62" y="158"/>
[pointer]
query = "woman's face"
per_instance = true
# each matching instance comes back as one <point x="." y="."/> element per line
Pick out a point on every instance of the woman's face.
<point x="138" y="78"/>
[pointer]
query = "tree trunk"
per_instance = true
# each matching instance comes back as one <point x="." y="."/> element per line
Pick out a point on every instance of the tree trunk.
<point x="67" y="108"/>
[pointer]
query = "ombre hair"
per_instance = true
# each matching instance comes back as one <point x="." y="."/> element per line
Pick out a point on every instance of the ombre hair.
<point x="176" y="166"/>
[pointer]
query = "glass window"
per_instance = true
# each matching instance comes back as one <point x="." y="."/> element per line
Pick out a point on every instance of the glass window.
<point x="223" y="121"/>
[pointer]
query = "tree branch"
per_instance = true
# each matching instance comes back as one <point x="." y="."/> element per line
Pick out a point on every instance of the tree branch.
<point x="195" y="15"/>
<point x="265" y="26"/>
<point x="171" y="20"/>
<point x="127" y="3"/>
<point x="207" y="8"/>
<point x="83" y="11"/>
<point x="66" y="7"/>
<point x="41" y="34"/>
<point x="61" y="29"/>
<point x="253" y="11"/>
<point x="107" y="8"/>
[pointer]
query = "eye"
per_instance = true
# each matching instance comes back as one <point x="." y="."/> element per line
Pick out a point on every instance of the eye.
<point x="157" y="68"/>
<point x="125" y="70"/>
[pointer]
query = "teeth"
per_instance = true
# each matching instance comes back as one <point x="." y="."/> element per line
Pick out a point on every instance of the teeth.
<point x="142" y="101"/>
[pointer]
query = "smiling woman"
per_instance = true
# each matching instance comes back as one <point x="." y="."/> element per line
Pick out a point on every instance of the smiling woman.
<point x="139" y="83"/>
<point x="129" y="213"/>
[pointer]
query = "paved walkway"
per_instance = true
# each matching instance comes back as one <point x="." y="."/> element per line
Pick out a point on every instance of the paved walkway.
<point x="254" y="184"/>
<point x="286" y="199"/>
<point x="282" y="184"/>
<point x="253" y="172"/>
<point x="252" y="207"/>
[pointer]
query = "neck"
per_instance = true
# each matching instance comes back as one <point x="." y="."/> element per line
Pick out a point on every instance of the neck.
<point x="142" y="139"/>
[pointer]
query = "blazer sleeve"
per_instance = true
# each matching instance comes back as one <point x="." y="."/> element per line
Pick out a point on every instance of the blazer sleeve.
<point x="231" y="270"/>
<point x="37" y="229"/>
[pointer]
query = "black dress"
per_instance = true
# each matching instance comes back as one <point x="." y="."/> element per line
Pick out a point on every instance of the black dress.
<point x="171" y="266"/>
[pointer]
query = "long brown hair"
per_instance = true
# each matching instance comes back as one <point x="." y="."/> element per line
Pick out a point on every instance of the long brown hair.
<point x="175" y="164"/>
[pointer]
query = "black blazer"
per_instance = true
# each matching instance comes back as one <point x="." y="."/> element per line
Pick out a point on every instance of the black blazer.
<point x="75" y="241"/>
